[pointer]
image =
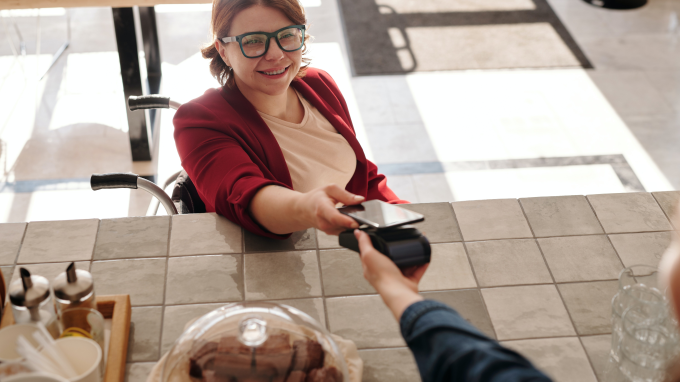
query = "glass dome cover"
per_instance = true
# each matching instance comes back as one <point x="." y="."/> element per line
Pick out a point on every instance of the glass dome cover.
<point x="255" y="341"/>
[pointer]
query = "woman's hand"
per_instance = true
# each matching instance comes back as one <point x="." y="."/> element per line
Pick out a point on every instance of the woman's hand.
<point x="398" y="288"/>
<point x="318" y="206"/>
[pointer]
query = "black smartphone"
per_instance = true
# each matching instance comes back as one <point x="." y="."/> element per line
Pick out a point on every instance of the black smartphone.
<point x="379" y="214"/>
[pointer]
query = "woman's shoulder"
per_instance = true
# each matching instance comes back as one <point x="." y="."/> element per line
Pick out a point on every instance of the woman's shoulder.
<point x="209" y="107"/>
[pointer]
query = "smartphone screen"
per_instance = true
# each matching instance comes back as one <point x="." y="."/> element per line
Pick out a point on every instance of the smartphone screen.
<point x="379" y="214"/>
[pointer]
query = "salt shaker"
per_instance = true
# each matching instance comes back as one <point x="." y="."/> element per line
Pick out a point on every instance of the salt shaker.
<point x="32" y="302"/>
<point x="74" y="289"/>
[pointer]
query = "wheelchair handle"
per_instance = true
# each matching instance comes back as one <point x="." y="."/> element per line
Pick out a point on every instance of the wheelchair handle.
<point x="153" y="101"/>
<point x="134" y="181"/>
<point x="114" y="180"/>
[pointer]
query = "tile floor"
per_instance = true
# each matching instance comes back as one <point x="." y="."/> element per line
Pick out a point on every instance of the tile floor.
<point x="58" y="131"/>
<point x="543" y="289"/>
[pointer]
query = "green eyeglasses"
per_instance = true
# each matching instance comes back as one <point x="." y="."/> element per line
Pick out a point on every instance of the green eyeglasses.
<point x="256" y="44"/>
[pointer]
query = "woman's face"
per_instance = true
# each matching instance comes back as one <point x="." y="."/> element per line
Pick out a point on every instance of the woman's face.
<point x="253" y="72"/>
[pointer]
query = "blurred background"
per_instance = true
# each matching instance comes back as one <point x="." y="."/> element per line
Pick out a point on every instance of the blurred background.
<point x="453" y="99"/>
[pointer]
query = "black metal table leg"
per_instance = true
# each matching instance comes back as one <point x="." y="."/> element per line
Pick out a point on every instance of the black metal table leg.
<point x="147" y="17"/>
<point x="140" y="130"/>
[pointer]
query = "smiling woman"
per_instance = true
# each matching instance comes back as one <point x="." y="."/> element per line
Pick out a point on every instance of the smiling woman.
<point x="274" y="149"/>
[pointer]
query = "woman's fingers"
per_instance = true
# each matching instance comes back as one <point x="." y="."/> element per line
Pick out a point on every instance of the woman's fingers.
<point x="334" y="218"/>
<point x="343" y="196"/>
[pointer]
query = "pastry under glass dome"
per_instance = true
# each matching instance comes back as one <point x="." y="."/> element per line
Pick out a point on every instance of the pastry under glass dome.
<point x="255" y="341"/>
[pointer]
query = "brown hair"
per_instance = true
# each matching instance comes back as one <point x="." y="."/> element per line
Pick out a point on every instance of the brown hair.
<point x="223" y="13"/>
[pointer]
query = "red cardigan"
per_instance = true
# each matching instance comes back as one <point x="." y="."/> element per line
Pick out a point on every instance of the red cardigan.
<point x="230" y="153"/>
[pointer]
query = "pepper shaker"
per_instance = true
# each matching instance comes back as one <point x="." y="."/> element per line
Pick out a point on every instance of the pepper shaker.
<point x="74" y="289"/>
<point x="32" y="302"/>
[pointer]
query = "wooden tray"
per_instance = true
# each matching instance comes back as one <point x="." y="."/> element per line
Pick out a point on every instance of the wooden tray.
<point x="117" y="308"/>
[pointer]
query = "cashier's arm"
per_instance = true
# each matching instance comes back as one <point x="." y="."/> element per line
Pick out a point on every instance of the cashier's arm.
<point x="283" y="211"/>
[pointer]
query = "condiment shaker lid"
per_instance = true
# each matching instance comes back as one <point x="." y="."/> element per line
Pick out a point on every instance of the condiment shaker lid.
<point x="29" y="291"/>
<point x="73" y="285"/>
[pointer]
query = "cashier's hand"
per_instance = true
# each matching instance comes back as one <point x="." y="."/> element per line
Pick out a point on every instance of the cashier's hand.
<point x="398" y="288"/>
<point x="319" y="207"/>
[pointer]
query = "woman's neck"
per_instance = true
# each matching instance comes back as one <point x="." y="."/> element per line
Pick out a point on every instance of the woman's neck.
<point x="285" y="106"/>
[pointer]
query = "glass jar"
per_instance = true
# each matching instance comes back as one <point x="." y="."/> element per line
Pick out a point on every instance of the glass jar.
<point x="32" y="302"/>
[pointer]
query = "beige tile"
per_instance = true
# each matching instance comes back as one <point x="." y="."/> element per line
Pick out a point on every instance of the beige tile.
<point x="204" y="234"/>
<point x="145" y="334"/>
<point x="590" y="305"/>
<point x="668" y="200"/>
<point x="326" y="241"/>
<point x="439" y="225"/>
<point x="508" y="262"/>
<point x="449" y="269"/>
<point x="469" y="304"/>
<point x="597" y="348"/>
<point x="581" y="258"/>
<point x="281" y="275"/>
<point x="312" y="306"/>
<point x="138" y="372"/>
<point x="491" y="219"/>
<point x="641" y="248"/>
<point x="364" y="320"/>
<point x="630" y="212"/>
<point x="203" y="279"/>
<point x="527" y="312"/>
<point x="10" y="241"/>
<point x="51" y="241"/>
<point x="132" y="237"/>
<point x="142" y="279"/>
<point x="342" y="273"/>
<point x="298" y="240"/>
<point x="563" y="359"/>
<point x="394" y="365"/>
<point x="176" y="318"/>
<point x="49" y="270"/>
<point x="560" y="216"/>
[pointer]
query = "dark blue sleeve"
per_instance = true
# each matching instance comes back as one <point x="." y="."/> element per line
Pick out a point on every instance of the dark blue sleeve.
<point x="448" y="348"/>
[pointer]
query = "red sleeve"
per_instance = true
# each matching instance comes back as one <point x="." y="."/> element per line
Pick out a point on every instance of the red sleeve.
<point x="224" y="174"/>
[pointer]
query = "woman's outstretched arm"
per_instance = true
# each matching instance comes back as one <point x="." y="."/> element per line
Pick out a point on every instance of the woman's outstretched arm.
<point x="280" y="210"/>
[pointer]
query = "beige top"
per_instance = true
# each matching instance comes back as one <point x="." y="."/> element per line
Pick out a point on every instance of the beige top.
<point x="316" y="154"/>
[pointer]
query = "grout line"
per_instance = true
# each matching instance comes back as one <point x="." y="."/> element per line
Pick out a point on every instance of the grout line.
<point x="16" y="257"/>
<point x="539" y="338"/>
<point x="94" y="246"/>
<point x="670" y="220"/>
<point x="165" y="287"/>
<point x="559" y="292"/>
<point x="592" y="366"/>
<point x="323" y="289"/>
<point x="609" y="240"/>
<point x="545" y="261"/>
<point x="225" y="302"/>
<point x="474" y="274"/>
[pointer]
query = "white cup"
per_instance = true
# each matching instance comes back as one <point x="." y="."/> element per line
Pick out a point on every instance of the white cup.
<point x="35" y="377"/>
<point x="85" y="357"/>
<point x="8" y="339"/>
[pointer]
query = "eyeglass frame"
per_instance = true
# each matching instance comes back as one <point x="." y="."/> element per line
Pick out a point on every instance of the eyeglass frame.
<point x="269" y="35"/>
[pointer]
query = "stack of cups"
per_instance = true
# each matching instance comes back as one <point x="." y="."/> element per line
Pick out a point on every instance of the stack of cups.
<point x="644" y="332"/>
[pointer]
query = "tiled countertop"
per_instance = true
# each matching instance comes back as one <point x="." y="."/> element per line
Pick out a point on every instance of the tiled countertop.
<point x="538" y="274"/>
